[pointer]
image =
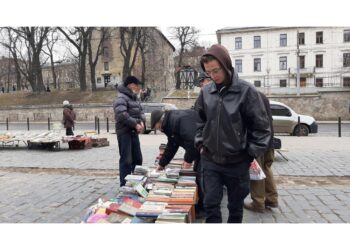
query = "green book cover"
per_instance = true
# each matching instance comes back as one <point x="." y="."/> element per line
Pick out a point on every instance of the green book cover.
<point x="141" y="190"/>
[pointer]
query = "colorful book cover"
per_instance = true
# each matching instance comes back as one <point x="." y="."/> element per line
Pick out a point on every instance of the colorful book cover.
<point x="141" y="190"/>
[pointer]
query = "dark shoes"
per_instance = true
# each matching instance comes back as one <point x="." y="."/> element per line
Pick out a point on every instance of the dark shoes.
<point x="271" y="204"/>
<point x="250" y="206"/>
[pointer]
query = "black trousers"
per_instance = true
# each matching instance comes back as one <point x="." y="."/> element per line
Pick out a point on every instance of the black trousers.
<point x="236" y="179"/>
<point x="199" y="181"/>
<point x="130" y="154"/>
<point x="69" y="131"/>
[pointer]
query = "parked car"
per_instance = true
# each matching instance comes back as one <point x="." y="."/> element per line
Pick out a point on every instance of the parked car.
<point x="285" y="120"/>
<point x="148" y="107"/>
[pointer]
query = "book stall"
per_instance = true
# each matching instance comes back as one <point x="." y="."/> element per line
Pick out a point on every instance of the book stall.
<point x="51" y="140"/>
<point x="150" y="196"/>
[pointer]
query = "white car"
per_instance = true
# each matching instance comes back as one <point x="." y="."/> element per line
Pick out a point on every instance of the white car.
<point x="148" y="107"/>
<point x="285" y="120"/>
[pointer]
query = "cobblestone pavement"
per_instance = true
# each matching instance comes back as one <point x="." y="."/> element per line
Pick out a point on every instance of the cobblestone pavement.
<point x="46" y="186"/>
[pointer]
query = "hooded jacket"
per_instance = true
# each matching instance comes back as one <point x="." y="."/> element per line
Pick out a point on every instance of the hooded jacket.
<point x="180" y="129"/>
<point x="127" y="111"/>
<point x="233" y="124"/>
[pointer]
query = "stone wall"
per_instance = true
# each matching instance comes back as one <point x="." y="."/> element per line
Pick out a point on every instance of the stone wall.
<point x="41" y="113"/>
<point x="322" y="106"/>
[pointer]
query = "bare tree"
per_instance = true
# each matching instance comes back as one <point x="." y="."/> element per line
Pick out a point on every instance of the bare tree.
<point x="34" y="38"/>
<point x="79" y="37"/>
<point x="51" y="40"/>
<point x="146" y="42"/>
<point x="9" y="41"/>
<point x="102" y="35"/>
<point x="129" y="46"/>
<point x="187" y="37"/>
<point x="26" y="45"/>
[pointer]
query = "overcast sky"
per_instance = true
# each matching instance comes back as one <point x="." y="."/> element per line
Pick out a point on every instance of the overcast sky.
<point x="206" y="36"/>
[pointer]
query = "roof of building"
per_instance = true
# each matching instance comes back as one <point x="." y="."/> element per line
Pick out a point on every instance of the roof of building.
<point x="166" y="39"/>
<point x="263" y="28"/>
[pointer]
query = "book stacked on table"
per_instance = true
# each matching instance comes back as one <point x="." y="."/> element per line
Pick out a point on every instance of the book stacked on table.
<point x="176" y="210"/>
<point x="187" y="181"/>
<point x="172" y="173"/>
<point x="183" y="195"/>
<point x="171" y="218"/>
<point x="151" y="209"/>
<point x="132" y="180"/>
<point x="141" y="170"/>
<point x="127" y="190"/>
<point x="150" y="196"/>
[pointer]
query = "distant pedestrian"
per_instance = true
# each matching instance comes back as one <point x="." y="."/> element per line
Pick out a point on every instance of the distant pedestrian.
<point x="2" y="89"/>
<point x="48" y="88"/>
<point x="13" y="88"/>
<point x="130" y="122"/>
<point x="68" y="117"/>
<point x="202" y="80"/>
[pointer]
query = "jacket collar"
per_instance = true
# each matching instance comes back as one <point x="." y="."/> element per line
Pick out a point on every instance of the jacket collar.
<point x="233" y="87"/>
<point x="126" y="91"/>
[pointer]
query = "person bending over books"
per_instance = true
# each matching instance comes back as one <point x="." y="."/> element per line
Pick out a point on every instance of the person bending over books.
<point x="180" y="128"/>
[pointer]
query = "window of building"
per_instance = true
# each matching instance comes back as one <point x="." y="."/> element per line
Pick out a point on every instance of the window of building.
<point x="98" y="79"/>
<point x="257" y="42"/>
<point x="319" y="61"/>
<point x="238" y="43"/>
<point x="257" y="64"/>
<point x="257" y="84"/>
<point x="301" y="38"/>
<point x="106" y="66"/>
<point x="302" y="82"/>
<point x="283" y="63"/>
<point x="346" y="59"/>
<point x="302" y="62"/>
<point x="105" y="52"/>
<point x="283" y="83"/>
<point x="346" y="82"/>
<point x="319" y="37"/>
<point x="278" y="110"/>
<point x="319" y="82"/>
<point x="283" y="40"/>
<point x="346" y="36"/>
<point x="238" y="65"/>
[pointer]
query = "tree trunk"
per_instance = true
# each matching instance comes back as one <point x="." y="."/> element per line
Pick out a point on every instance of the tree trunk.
<point x="143" y="68"/>
<point x="18" y="80"/>
<point x="38" y="73"/>
<point x="82" y="72"/>
<point x="54" y="77"/>
<point x="93" y="77"/>
<point x="92" y="68"/>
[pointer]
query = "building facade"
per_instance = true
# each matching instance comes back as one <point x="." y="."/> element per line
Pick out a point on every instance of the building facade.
<point x="67" y="75"/>
<point x="159" y="62"/>
<point x="9" y="81"/>
<point x="267" y="56"/>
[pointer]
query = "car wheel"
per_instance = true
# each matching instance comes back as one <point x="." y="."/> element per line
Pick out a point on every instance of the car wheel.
<point x="303" y="130"/>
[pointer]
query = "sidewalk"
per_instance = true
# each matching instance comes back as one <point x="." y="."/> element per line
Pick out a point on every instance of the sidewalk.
<point x="46" y="186"/>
